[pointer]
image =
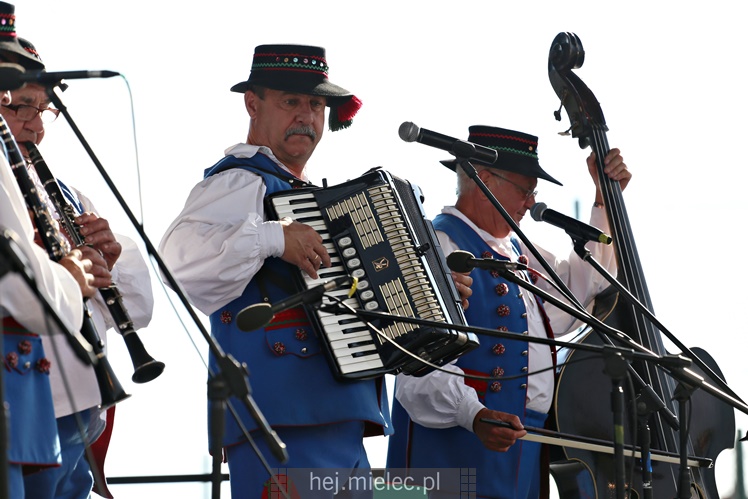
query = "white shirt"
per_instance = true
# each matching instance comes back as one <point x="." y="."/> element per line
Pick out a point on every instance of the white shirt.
<point x="221" y="238"/>
<point x="53" y="280"/>
<point x="442" y="400"/>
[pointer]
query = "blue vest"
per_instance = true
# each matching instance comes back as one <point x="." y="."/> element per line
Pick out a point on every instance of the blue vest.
<point x="33" y="428"/>
<point x="495" y="304"/>
<point x="291" y="380"/>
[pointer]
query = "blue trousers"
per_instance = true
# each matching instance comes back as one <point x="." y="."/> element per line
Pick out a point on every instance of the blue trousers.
<point x="322" y="461"/>
<point x="72" y="480"/>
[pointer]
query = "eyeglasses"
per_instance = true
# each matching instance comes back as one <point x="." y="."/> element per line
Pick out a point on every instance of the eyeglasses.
<point x="528" y="193"/>
<point x="25" y="112"/>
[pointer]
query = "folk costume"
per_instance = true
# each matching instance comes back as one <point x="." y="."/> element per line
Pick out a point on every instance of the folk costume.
<point x="433" y="415"/>
<point x="75" y="388"/>
<point x="226" y="253"/>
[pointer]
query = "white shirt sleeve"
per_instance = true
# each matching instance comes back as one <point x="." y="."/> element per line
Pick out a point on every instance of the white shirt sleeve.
<point x="581" y="278"/>
<point x="221" y="238"/>
<point x="52" y="280"/>
<point x="439" y="399"/>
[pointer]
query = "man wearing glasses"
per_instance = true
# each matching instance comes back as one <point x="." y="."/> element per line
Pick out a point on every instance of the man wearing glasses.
<point x="26" y="116"/>
<point x="446" y="431"/>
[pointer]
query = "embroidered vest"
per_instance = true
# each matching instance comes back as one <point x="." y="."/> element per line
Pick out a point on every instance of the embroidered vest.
<point x="33" y="428"/>
<point x="291" y="381"/>
<point x="495" y="304"/>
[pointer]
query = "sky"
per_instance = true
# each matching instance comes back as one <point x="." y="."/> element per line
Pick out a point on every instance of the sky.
<point x="669" y="77"/>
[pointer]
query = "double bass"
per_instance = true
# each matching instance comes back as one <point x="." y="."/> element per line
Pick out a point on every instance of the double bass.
<point x="690" y="419"/>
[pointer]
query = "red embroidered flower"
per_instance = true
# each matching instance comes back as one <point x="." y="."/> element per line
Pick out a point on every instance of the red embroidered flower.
<point x="503" y="329"/>
<point x="11" y="360"/>
<point x="43" y="365"/>
<point x="502" y="289"/>
<point x="523" y="259"/>
<point x="279" y="348"/>
<point x="24" y="347"/>
<point x="226" y="317"/>
<point x="498" y="349"/>
<point x="497" y="372"/>
<point x="495" y="386"/>
<point x="486" y="254"/>
<point x="502" y="310"/>
<point x="495" y="273"/>
<point x="301" y="334"/>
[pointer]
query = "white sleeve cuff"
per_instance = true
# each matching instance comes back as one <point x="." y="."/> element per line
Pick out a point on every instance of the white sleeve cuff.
<point x="272" y="240"/>
<point x="467" y="409"/>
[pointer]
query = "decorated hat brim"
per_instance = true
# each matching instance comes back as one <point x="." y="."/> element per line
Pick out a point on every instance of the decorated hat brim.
<point x="334" y="93"/>
<point x="26" y="60"/>
<point x="517" y="164"/>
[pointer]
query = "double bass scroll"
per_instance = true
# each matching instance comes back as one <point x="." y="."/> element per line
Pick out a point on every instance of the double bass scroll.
<point x="582" y="393"/>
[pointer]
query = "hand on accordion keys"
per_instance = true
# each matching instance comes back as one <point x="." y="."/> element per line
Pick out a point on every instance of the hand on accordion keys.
<point x="260" y="314"/>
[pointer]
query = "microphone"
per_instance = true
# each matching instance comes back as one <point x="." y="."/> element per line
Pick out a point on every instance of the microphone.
<point x="410" y="132"/>
<point x="463" y="261"/>
<point x="258" y="315"/>
<point x="14" y="76"/>
<point x="572" y="226"/>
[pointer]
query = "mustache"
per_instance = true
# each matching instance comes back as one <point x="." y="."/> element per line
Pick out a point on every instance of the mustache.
<point x="302" y="130"/>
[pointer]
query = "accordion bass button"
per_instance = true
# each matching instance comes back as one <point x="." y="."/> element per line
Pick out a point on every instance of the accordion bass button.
<point x="349" y="252"/>
<point x="353" y="263"/>
<point x="372" y="305"/>
<point x="345" y="241"/>
<point x="367" y="295"/>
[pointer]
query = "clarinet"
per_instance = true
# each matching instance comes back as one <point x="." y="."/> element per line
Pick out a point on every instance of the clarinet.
<point x="146" y="367"/>
<point x="57" y="247"/>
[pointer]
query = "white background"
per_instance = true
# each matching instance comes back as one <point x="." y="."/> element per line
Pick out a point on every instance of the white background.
<point x="670" y="78"/>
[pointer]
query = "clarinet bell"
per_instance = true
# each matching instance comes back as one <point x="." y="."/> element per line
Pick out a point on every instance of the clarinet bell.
<point x="109" y="386"/>
<point x="146" y="367"/>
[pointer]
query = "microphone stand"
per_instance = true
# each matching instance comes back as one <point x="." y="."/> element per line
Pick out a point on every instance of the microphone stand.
<point x="232" y="377"/>
<point x="469" y="169"/>
<point x="465" y="151"/>
<point x="676" y="366"/>
<point x="585" y="255"/>
<point x="616" y="359"/>
<point x="684" y="388"/>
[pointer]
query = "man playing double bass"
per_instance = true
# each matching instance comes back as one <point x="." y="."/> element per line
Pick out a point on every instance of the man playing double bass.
<point x="437" y="417"/>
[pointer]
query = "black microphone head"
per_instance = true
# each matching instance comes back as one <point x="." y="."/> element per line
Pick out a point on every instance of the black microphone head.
<point x="536" y="212"/>
<point x="409" y="131"/>
<point x="254" y="317"/>
<point x="459" y="261"/>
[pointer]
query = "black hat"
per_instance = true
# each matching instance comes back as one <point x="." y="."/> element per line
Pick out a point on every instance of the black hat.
<point x="9" y="39"/>
<point x="31" y="50"/>
<point x="302" y="69"/>
<point x="518" y="152"/>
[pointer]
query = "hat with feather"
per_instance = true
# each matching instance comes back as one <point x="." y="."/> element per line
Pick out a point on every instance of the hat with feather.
<point x="301" y="69"/>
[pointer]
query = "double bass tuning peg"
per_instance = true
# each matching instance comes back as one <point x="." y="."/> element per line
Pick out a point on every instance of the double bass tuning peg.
<point x="557" y="112"/>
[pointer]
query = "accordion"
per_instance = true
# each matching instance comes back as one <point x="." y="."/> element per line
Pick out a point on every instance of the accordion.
<point x="374" y="229"/>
